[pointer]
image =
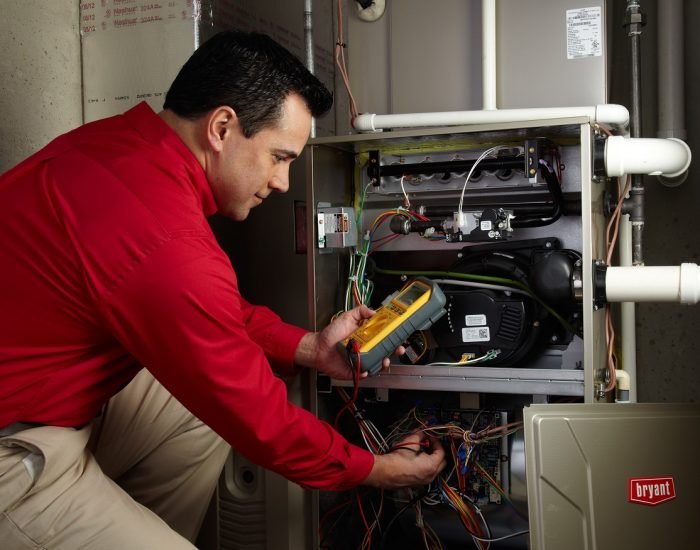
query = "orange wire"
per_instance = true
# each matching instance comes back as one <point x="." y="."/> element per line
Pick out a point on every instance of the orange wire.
<point x="340" y="62"/>
<point x="610" y="242"/>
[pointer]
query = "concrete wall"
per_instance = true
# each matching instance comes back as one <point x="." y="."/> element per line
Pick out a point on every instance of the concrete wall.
<point x="40" y="88"/>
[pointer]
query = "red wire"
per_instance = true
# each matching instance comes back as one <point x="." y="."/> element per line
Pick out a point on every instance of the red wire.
<point x="420" y="217"/>
<point x="364" y="519"/>
<point x="356" y="384"/>
<point x="407" y="445"/>
<point x="385" y="240"/>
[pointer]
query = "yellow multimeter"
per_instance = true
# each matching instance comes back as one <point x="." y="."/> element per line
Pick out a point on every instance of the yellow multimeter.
<point x="416" y="306"/>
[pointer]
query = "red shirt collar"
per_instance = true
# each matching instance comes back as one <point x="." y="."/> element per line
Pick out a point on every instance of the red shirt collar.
<point x="155" y="130"/>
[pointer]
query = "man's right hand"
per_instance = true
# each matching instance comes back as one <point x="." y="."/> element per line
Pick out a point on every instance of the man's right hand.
<point x="416" y="460"/>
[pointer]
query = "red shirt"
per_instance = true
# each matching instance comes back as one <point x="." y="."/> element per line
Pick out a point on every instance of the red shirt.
<point x="107" y="263"/>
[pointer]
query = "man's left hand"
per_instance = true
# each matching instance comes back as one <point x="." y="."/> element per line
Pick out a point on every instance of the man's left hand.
<point x="320" y="350"/>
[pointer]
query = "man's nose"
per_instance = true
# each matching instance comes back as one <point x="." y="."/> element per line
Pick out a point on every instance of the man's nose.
<point x="280" y="181"/>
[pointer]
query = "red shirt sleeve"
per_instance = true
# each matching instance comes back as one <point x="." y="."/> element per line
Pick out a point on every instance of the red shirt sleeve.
<point x="180" y="314"/>
<point x="278" y="340"/>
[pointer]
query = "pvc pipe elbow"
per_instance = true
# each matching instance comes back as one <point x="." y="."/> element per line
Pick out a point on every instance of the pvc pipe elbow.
<point x="623" y="379"/>
<point x="364" y="122"/>
<point x="612" y="114"/>
<point x="373" y="12"/>
<point x="651" y="156"/>
<point x="622" y="385"/>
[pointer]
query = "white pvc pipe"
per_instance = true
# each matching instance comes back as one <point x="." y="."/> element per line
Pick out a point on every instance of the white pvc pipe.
<point x="371" y="13"/>
<point x="488" y="54"/>
<point x="670" y="79"/>
<point x="608" y="114"/>
<point x="669" y="157"/>
<point x="628" y="318"/>
<point x="653" y="284"/>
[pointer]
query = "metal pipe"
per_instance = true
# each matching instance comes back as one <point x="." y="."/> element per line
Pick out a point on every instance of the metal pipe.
<point x="670" y="78"/>
<point x="309" y="48"/>
<point x="451" y="166"/>
<point x="634" y="20"/>
<point x="670" y="81"/>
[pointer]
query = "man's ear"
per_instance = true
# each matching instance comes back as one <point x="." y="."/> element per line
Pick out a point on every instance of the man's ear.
<point x="222" y="124"/>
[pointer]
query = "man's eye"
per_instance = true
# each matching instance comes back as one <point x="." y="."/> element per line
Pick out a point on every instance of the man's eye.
<point x="279" y="158"/>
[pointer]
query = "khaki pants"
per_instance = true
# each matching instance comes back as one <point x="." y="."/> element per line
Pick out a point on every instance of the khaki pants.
<point x="139" y="477"/>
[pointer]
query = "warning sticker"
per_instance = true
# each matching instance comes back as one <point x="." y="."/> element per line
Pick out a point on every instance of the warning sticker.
<point x="474" y="320"/>
<point x="584" y="33"/>
<point x="476" y="334"/>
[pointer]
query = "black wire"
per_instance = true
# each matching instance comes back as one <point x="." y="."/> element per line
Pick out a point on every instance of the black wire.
<point x="323" y="536"/>
<point x="398" y="514"/>
<point x="550" y="177"/>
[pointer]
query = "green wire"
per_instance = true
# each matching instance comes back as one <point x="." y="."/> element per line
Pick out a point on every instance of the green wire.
<point x="484" y="279"/>
<point x="362" y="205"/>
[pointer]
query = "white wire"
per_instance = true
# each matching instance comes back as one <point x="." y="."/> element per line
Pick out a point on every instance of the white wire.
<point x="348" y="288"/>
<point x="405" y="195"/>
<point x="517" y="534"/>
<point x="367" y="443"/>
<point x="469" y="175"/>
<point x="377" y="435"/>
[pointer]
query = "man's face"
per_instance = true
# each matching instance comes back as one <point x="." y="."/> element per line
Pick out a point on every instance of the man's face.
<point x="247" y="170"/>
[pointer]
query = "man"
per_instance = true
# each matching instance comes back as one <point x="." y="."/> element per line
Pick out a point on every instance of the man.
<point x="109" y="265"/>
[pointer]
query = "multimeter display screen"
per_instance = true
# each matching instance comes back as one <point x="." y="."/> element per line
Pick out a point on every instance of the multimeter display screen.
<point x="411" y="294"/>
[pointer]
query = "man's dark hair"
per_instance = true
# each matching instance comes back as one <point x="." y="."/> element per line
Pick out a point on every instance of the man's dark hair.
<point x="249" y="72"/>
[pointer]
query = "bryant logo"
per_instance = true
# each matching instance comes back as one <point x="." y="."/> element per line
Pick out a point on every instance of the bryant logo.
<point x="651" y="490"/>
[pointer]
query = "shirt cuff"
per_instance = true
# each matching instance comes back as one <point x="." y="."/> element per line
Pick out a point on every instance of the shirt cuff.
<point x="281" y="349"/>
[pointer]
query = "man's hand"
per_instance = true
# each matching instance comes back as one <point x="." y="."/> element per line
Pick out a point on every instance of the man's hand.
<point x="414" y="461"/>
<point x="320" y="350"/>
